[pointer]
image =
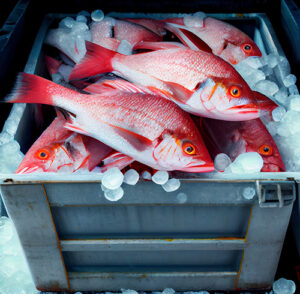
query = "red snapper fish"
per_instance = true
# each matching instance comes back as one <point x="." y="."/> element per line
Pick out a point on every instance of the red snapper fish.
<point x="223" y="39"/>
<point x="110" y="32"/>
<point x="199" y="82"/>
<point x="148" y="128"/>
<point x="235" y="138"/>
<point x="61" y="150"/>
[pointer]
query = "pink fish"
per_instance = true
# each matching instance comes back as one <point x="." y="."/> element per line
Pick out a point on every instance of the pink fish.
<point x="155" y="25"/>
<point x="223" y="39"/>
<point x="235" y="138"/>
<point x="148" y="128"/>
<point x="59" y="149"/>
<point x="199" y="82"/>
<point x="110" y="32"/>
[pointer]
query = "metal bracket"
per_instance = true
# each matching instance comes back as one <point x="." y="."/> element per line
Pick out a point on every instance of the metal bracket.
<point x="275" y="194"/>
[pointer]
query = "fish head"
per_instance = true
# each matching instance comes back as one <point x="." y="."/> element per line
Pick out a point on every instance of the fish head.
<point x="271" y="157"/>
<point x="50" y="158"/>
<point x="225" y="99"/>
<point x="234" y="51"/>
<point x="187" y="153"/>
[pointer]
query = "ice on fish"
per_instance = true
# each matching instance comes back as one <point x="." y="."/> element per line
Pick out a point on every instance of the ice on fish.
<point x="284" y="286"/>
<point x="125" y="48"/>
<point x="266" y="87"/>
<point x="160" y="177"/>
<point x="181" y="197"/>
<point x="278" y="113"/>
<point x="194" y="20"/>
<point x="131" y="177"/>
<point x="112" y="178"/>
<point x="251" y="75"/>
<point x="97" y="15"/>
<point x="249" y="193"/>
<point x="222" y="161"/>
<point x="114" y="195"/>
<point x="289" y="80"/>
<point x="249" y="162"/>
<point x="146" y="175"/>
<point x="252" y="61"/>
<point x="171" y="185"/>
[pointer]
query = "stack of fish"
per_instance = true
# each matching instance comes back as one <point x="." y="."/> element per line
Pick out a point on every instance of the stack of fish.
<point x="125" y="95"/>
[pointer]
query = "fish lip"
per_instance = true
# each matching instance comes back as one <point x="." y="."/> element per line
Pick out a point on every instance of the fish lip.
<point x="27" y="170"/>
<point x="273" y="167"/>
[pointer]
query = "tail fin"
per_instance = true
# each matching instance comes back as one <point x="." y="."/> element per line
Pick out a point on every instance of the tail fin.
<point x="34" y="89"/>
<point x="97" y="60"/>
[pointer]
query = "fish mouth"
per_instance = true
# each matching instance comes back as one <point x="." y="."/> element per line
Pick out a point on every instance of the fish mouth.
<point x="263" y="102"/>
<point x="273" y="167"/>
<point x="27" y="170"/>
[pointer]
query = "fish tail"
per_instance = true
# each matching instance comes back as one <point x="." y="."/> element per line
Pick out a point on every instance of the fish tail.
<point x="97" y="60"/>
<point x="34" y="89"/>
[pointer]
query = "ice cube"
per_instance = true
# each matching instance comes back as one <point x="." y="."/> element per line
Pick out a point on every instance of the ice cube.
<point x="278" y="113"/>
<point x="160" y="177"/>
<point x="97" y="15"/>
<point x="125" y="48"/>
<point x="293" y="90"/>
<point x="272" y="60"/>
<point x="249" y="193"/>
<point x="131" y="177"/>
<point x="181" y="197"/>
<point x="267" y="70"/>
<point x="128" y="291"/>
<point x="221" y="161"/>
<point x="272" y="127"/>
<point x="284" y="286"/>
<point x="168" y="291"/>
<point x="114" y="195"/>
<point x="249" y="162"/>
<point x="253" y="61"/>
<point x="171" y="185"/>
<point x="65" y="71"/>
<point x="266" y="87"/>
<point x="112" y="178"/>
<point x="81" y="18"/>
<point x="289" y="80"/>
<point x="295" y="103"/>
<point x="66" y="22"/>
<point x="5" y="138"/>
<point x="6" y="230"/>
<point x="281" y="95"/>
<point x="146" y="175"/>
<point x="195" y="20"/>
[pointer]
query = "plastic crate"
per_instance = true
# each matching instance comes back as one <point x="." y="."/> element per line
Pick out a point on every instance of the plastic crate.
<point x="207" y="235"/>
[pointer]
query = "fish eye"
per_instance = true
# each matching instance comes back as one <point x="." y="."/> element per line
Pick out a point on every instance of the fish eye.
<point x="43" y="154"/>
<point x="235" y="91"/>
<point x="247" y="48"/>
<point x="189" y="148"/>
<point x="265" y="150"/>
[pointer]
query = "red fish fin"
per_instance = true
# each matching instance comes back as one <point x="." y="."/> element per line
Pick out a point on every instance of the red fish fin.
<point x="180" y="93"/>
<point x="97" y="88"/>
<point x="125" y="86"/>
<point x="116" y="159"/>
<point x="158" y="45"/>
<point x="52" y="64"/>
<point x="138" y="141"/>
<point x="32" y="89"/>
<point x="73" y="126"/>
<point x="176" y="20"/>
<point x="188" y="38"/>
<point x="96" y="60"/>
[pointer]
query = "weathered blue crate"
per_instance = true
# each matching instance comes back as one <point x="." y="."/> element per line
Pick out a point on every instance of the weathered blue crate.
<point x="212" y="238"/>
